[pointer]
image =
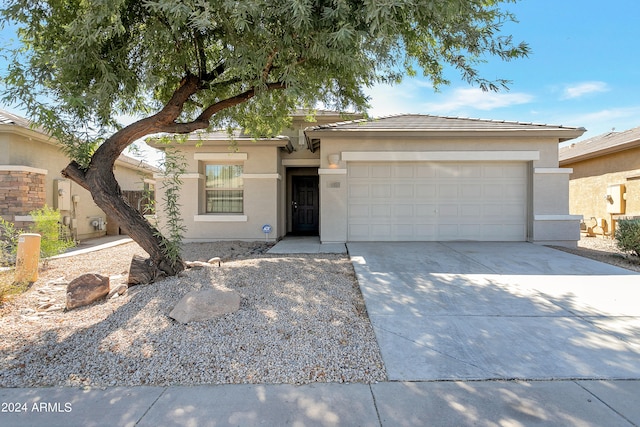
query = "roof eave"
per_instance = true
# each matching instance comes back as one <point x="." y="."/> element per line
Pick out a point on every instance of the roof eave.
<point x="563" y="134"/>
<point x="29" y="133"/>
<point x="213" y="142"/>
<point x="602" y="152"/>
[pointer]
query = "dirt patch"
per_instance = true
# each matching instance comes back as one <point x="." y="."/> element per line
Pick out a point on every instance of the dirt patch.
<point x="604" y="249"/>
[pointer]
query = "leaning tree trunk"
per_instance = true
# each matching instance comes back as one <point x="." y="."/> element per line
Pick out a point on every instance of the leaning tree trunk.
<point x="105" y="190"/>
<point x="99" y="179"/>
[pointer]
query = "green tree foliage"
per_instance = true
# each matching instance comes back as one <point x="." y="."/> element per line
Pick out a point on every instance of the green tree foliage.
<point x="185" y="65"/>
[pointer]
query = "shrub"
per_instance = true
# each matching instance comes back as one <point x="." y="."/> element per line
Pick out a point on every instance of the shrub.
<point x="8" y="243"/>
<point x="46" y="222"/>
<point x="628" y="236"/>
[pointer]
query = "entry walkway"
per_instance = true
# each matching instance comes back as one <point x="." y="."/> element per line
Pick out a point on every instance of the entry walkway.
<point x="306" y="245"/>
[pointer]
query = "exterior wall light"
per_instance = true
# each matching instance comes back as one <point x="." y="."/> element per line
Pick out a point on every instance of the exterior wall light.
<point x="333" y="160"/>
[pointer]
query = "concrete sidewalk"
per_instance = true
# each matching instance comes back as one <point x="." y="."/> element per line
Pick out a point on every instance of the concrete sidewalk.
<point x="96" y="244"/>
<point x="482" y="403"/>
<point x="306" y="245"/>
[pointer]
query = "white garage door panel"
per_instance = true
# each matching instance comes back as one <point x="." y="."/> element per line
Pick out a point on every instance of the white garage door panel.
<point x="437" y="201"/>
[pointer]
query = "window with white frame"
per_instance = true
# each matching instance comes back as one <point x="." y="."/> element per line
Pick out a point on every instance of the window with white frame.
<point x="224" y="189"/>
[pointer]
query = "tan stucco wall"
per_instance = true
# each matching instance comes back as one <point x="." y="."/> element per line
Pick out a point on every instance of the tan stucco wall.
<point x="590" y="179"/>
<point x="267" y="192"/>
<point x="26" y="148"/>
<point x="263" y="183"/>
<point x="130" y="179"/>
<point x="548" y="199"/>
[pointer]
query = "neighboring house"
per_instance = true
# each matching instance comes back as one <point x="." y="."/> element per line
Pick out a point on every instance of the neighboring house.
<point x="605" y="183"/>
<point x="30" y="165"/>
<point x="399" y="178"/>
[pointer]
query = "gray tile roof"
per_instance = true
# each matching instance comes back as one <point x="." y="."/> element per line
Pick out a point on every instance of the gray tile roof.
<point x="224" y="135"/>
<point x="599" y="145"/>
<point x="7" y="118"/>
<point x="428" y="122"/>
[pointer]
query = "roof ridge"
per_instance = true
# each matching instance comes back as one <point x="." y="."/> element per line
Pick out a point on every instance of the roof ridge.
<point x="443" y="117"/>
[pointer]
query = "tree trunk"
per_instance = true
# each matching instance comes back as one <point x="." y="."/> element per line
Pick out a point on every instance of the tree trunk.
<point x="103" y="186"/>
<point x="142" y="271"/>
<point x="105" y="190"/>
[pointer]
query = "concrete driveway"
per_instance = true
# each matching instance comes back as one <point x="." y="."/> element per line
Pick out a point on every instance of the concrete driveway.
<point x="478" y="310"/>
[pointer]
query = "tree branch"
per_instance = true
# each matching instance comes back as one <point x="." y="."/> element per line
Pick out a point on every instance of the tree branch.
<point x="269" y="64"/>
<point x="202" y="121"/>
<point x="74" y="172"/>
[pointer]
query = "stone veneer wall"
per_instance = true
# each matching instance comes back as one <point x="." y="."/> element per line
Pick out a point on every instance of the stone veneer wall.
<point x="22" y="189"/>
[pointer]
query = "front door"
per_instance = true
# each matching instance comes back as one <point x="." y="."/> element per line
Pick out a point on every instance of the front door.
<point x="305" y="205"/>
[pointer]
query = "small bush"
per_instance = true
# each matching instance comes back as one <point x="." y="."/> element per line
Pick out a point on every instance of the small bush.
<point x="628" y="236"/>
<point x="8" y="243"/>
<point x="46" y="222"/>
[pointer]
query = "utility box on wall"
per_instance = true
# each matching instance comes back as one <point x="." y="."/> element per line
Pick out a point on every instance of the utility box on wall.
<point x="615" y="199"/>
<point x="62" y="194"/>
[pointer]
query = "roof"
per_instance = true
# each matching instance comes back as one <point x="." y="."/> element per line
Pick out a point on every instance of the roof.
<point x="7" y="118"/>
<point x="137" y="164"/>
<point x="431" y="123"/>
<point x="600" y="145"/>
<point x="225" y="135"/>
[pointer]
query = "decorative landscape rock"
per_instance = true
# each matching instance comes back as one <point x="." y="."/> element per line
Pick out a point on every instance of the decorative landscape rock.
<point x="201" y="264"/>
<point x="203" y="305"/>
<point x="86" y="289"/>
<point x="120" y="289"/>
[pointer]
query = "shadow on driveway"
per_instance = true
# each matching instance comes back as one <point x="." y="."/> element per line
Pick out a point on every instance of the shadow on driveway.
<point x="472" y="310"/>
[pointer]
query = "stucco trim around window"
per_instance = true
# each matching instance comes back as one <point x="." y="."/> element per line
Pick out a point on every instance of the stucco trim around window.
<point x="419" y="156"/>
<point x="193" y="175"/>
<point x="220" y="218"/>
<point x="221" y="157"/>
<point x="261" y="176"/>
<point x="19" y="168"/>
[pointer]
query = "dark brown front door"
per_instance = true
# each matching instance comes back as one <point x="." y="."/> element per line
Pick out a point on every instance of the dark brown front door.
<point x="305" y="204"/>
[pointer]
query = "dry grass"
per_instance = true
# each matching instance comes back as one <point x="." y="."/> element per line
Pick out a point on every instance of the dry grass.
<point x="8" y="288"/>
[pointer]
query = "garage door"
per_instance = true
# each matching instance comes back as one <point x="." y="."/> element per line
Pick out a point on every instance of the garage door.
<point x="437" y="201"/>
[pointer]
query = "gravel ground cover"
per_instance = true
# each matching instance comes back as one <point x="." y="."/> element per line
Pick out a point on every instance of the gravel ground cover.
<point x="604" y="249"/>
<point x="302" y="319"/>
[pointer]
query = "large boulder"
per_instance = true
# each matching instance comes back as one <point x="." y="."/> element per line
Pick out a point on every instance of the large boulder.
<point x="203" y="305"/>
<point x="85" y="289"/>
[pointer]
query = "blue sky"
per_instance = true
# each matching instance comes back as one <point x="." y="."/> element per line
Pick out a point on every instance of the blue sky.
<point x="584" y="70"/>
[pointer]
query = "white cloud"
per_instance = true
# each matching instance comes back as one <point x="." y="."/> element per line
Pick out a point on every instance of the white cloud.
<point x="580" y="89"/>
<point x="603" y="121"/>
<point x="405" y="97"/>
<point x="411" y="95"/>
<point x="475" y="98"/>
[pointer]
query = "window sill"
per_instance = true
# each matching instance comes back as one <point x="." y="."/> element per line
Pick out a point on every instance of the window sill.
<point x="220" y="218"/>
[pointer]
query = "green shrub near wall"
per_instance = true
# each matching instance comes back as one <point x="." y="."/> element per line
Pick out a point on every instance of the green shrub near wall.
<point x="46" y="222"/>
<point x="628" y="236"/>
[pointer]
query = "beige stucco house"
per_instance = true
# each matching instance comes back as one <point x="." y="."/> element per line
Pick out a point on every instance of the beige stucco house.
<point x="30" y="165"/>
<point x="399" y="178"/>
<point x="605" y="183"/>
